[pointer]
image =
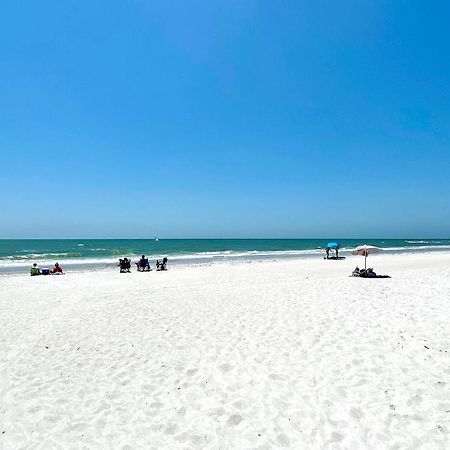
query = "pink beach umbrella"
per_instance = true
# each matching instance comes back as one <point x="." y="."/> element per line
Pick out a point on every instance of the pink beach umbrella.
<point x="366" y="250"/>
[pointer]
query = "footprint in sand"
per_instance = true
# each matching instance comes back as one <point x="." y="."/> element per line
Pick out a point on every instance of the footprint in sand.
<point x="216" y="412"/>
<point x="171" y="429"/>
<point x="156" y="405"/>
<point x="234" y="420"/>
<point x="356" y="413"/>
<point x="336" y="437"/>
<point x="224" y="368"/>
<point x="239" y="404"/>
<point x="277" y="377"/>
<point x="283" y="440"/>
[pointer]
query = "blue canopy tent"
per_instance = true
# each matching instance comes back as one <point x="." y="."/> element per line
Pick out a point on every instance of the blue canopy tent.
<point x="333" y="246"/>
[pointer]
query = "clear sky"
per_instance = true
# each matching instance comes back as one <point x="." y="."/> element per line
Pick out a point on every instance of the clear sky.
<point x="224" y="118"/>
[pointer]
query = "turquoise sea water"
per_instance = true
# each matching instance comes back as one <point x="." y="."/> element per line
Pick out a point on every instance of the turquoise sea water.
<point x="16" y="255"/>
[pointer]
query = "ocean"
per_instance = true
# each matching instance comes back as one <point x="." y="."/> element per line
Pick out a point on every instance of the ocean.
<point x="18" y="255"/>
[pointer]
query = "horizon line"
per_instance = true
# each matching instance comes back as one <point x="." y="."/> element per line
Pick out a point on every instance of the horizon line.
<point x="210" y="238"/>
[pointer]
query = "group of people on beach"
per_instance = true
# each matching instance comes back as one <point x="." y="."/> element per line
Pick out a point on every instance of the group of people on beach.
<point x="36" y="270"/>
<point x="328" y="250"/>
<point x="367" y="273"/>
<point x="142" y="265"/>
<point x="124" y="263"/>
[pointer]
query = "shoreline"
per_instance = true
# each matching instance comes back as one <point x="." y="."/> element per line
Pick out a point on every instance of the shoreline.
<point x="73" y="265"/>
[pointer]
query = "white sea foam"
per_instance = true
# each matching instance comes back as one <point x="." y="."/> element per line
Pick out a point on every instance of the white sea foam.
<point x="424" y="242"/>
<point x="32" y="256"/>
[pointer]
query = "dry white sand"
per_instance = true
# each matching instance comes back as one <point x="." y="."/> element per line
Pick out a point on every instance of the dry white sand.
<point x="260" y="355"/>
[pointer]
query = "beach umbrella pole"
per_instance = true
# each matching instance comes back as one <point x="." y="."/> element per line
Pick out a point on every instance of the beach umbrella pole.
<point x="365" y="250"/>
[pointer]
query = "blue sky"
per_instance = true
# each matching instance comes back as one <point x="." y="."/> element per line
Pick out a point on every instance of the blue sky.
<point x="224" y="119"/>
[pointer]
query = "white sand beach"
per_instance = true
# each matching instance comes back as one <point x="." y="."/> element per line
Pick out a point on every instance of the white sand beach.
<point x="288" y="354"/>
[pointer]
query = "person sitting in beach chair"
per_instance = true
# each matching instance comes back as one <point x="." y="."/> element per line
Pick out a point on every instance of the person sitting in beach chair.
<point x="367" y="273"/>
<point x="57" y="270"/>
<point x="125" y="265"/>
<point x="361" y="272"/>
<point x="143" y="265"/>
<point x="161" y="265"/>
<point x="35" y="270"/>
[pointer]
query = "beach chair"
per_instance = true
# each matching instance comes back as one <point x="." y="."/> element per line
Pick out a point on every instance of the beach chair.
<point x="143" y="265"/>
<point x="367" y="273"/>
<point x="161" y="265"/>
<point x="125" y="265"/>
